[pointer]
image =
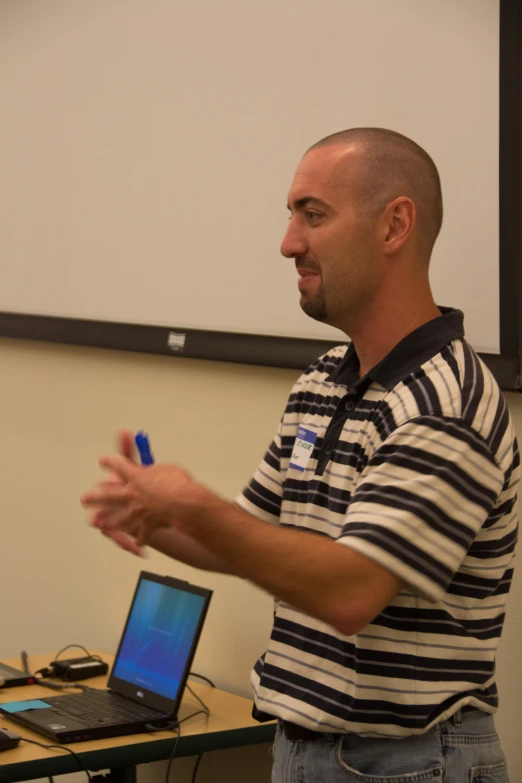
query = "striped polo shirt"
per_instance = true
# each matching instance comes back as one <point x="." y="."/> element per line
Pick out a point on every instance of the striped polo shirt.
<point x="415" y="466"/>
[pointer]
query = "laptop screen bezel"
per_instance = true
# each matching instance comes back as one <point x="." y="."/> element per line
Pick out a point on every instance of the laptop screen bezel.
<point x="150" y="698"/>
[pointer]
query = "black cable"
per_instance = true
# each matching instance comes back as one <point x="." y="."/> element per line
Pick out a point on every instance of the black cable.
<point x="187" y="686"/>
<point x="173" y="751"/>
<point x="202" y="677"/>
<point x="195" y="770"/>
<point x="193" y="715"/>
<point x="57" y="686"/>
<point x="25" y="662"/>
<point x="80" y="647"/>
<point x="60" y="747"/>
<point x="47" y="672"/>
<point x="177" y="729"/>
<point x="54" y="686"/>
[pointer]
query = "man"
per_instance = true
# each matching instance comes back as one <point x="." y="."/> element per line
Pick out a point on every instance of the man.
<point x="392" y="480"/>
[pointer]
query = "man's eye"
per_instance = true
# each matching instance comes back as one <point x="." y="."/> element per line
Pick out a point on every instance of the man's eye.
<point x="312" y="217"/>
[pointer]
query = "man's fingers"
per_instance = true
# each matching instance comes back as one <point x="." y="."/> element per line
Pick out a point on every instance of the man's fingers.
<point x="112" y="478"/>
<point x="123" y="467"/>
<point x="120" y="537"/>
<point x="125" y="541"/>
<point x="116" y="525"/>
<point x="98" y="519"/>
<point x="113" y="522"/>
<point x="108" y="493"/>
<point x="109" y="501"/>
<point x="143" y="535"/>
<point x="125" y="444"/>
<point x="113" y="519"/>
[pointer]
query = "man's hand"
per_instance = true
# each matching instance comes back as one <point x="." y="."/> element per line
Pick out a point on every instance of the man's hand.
<point x="134" y="501"/>
<point x="163" y="506"/>
<point x="125" y="446"/>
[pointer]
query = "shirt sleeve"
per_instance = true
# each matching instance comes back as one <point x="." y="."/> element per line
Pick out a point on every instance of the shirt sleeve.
<point x="421" y="500"/>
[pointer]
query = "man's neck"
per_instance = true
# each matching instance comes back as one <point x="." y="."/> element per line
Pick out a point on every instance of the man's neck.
<point x="386" y="327"/>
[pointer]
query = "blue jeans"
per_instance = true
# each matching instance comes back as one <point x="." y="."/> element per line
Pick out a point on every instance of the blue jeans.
<point x="463" y="749"/>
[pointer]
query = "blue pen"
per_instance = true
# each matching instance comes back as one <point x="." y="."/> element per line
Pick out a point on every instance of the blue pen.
<point x="142" y="443"/>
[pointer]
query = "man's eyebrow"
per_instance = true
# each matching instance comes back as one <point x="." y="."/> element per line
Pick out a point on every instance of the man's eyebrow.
<point x="307" y="201"/>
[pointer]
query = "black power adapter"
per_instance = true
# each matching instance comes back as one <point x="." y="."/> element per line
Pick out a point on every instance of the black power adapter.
<point x="71" y="669"/>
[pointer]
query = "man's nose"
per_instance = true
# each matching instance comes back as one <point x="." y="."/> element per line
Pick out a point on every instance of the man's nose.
<point x="293" y="243"/>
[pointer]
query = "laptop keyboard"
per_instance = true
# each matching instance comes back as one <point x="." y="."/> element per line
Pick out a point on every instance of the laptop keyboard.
<point x="96" y="708"/>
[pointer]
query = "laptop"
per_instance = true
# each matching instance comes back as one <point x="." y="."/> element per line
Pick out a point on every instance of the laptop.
<point x="147" y="679"/>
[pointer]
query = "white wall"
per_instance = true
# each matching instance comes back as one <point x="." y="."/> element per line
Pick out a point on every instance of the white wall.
<point x="64" y="583"/>
<point x="61" y="582"/>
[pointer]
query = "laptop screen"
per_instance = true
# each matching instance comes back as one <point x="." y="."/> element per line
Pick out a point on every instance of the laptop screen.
<point x="160" y="635"/>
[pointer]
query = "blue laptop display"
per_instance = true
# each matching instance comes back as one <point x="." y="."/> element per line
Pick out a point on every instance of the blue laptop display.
<point x="148" y="677"/>
<point x="159" y="637"/>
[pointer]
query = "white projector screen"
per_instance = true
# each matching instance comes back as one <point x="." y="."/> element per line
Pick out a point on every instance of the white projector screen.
<point x="147" y="147"/>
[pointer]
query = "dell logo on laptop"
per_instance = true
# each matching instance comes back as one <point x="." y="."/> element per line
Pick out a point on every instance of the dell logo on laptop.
<point x="140" y="694"/>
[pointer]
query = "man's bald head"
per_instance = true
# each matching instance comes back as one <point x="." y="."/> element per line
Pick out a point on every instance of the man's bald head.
<point x="393" y="165"/>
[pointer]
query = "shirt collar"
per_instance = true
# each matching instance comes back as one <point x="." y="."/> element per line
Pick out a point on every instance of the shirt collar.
<point x="410" y="353"/>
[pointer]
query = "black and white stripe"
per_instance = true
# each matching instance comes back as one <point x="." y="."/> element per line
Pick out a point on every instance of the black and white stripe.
<point x="421" y="477"/>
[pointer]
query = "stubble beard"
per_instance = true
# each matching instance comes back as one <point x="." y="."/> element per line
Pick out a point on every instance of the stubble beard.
<point x="315" y="307"/>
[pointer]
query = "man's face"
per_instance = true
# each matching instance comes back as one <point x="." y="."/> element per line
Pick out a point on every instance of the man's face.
<point x="334" y="248"/>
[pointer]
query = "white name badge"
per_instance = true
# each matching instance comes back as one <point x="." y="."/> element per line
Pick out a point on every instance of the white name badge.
<point x="303" y="447"/>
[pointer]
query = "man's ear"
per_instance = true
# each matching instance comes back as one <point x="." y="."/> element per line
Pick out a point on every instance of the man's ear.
<point x="399" y="221"/>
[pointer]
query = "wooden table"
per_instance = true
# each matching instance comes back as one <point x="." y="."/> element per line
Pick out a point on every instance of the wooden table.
<point x="230" y="724"/>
